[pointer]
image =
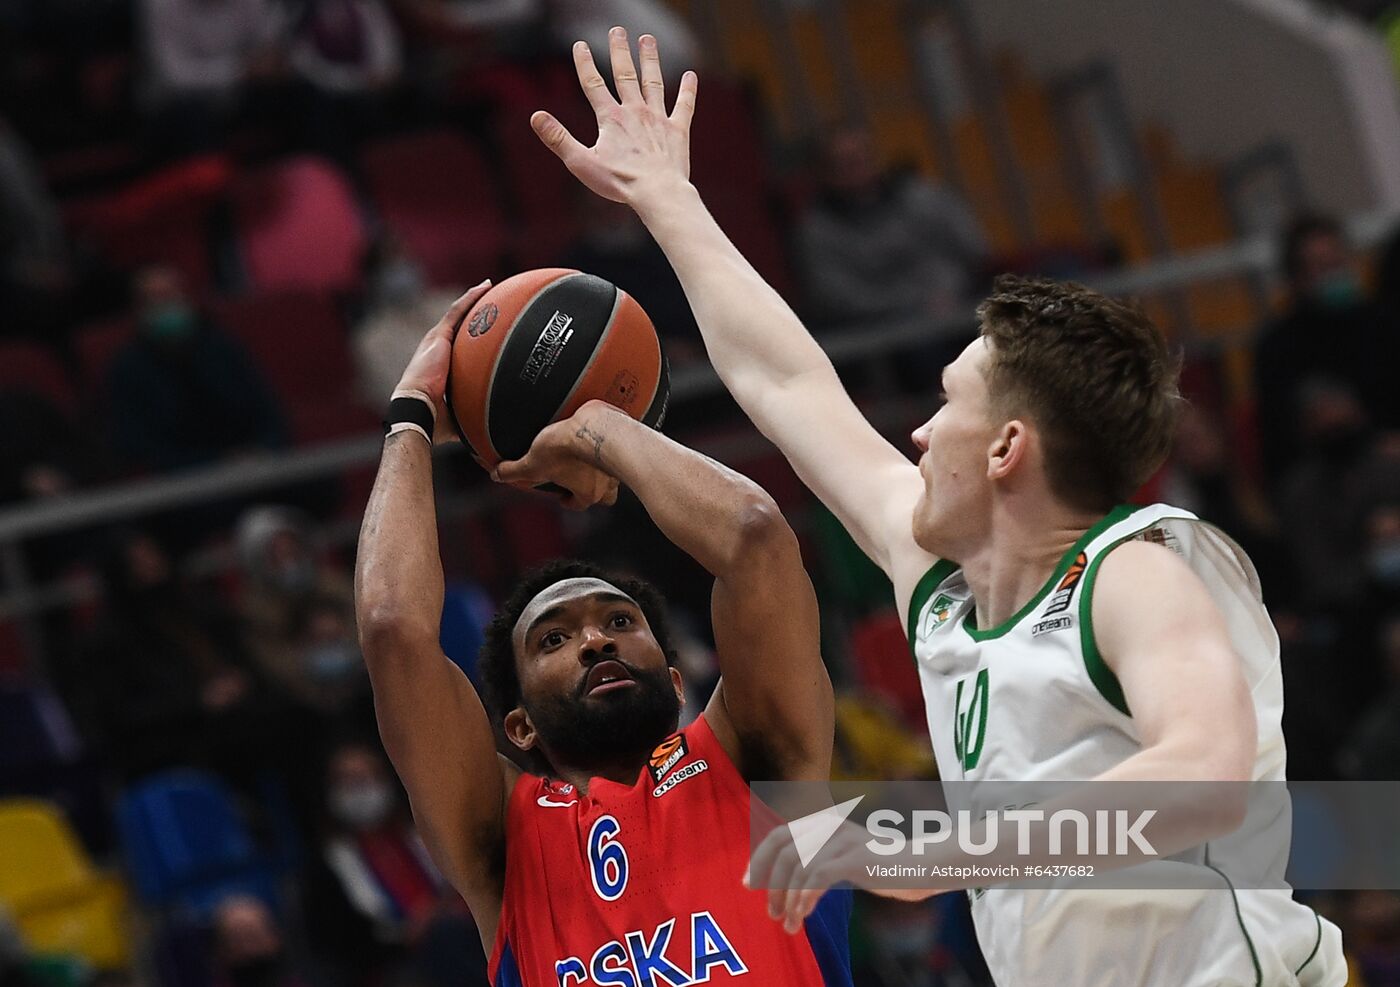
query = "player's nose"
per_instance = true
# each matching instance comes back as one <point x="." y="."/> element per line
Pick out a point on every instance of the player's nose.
<point x="594" y="642"/>
<point x="920" y="436"/>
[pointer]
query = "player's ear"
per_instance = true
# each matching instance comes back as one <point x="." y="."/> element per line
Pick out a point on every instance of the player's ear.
<point x="519" y="730"/>
<point x="678" y="684"/>
<point x="1008" y="449"/>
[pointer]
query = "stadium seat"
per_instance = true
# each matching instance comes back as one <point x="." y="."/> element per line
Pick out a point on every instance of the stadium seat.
<point x="98" y="345"/>
<point x="35" y="369"/>
<point x="187" y="847"/>
<point x="298" y="339"/>
<point x="435" y="193"/>
<point x="885" y="667"/>
<point x="299" y="227"/>
<point x="60" y="903"/>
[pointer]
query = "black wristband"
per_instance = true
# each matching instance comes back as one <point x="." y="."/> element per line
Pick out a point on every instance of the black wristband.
<point x="410" y="411"/>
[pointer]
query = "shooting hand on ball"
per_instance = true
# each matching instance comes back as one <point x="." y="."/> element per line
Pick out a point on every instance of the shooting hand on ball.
<point x="425" y="376"/>
<point x="640" y="147"/>
<point x="569" y="455"/>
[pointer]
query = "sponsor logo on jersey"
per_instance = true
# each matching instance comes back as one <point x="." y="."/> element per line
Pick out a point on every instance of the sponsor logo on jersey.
<point x="1064" y="593"/>
<point x="1053" y="624"/>
<point x="689" y="771"/>
<point x="1163" y="537"/>
<point x="667" y="755"/>
<point x="937" y="614"/>
<point x="553" y="337"/>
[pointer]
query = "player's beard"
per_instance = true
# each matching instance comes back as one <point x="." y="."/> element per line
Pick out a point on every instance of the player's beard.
<point x="603" y="731"/>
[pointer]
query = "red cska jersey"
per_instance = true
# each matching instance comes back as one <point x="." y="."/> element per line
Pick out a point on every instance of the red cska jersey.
<point x="639" y="886"/>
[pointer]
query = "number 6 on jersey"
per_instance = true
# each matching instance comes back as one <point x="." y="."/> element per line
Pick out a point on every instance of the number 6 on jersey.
<point x="607" y="860"/>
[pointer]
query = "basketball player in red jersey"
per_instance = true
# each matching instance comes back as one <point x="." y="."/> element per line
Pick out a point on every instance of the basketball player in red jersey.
<point x="617" y="859"/>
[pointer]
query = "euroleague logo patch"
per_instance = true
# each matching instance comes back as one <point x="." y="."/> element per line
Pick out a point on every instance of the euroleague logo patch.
<point x="1054" y="615"/>
<point x="667" y="755"/>
<point x="482" y="321"/>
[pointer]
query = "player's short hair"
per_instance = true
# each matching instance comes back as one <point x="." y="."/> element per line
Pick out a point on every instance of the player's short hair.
<point x="1094" y="375"/>
<point x="495" y="663"/>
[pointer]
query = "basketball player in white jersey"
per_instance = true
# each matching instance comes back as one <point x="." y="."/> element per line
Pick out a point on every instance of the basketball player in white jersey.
<point x="1086" y="641"/>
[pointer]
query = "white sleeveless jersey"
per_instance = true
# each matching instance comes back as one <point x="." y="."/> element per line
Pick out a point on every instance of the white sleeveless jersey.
<point x="1032" y="700"/>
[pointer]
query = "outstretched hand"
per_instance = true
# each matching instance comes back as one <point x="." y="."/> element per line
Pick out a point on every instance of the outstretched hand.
<point x="639" y="145"/>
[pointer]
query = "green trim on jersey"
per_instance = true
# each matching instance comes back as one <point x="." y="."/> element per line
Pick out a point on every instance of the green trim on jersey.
<point x="923" y="589"/>
<point x="1104" y="523"/>
<point x="1316" y="946"/>
<point x="1099" y="673"/>
<point x="1239" y="917"/>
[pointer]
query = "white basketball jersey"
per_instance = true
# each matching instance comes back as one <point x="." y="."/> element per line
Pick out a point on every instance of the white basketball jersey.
<point x="1032" y="700"/>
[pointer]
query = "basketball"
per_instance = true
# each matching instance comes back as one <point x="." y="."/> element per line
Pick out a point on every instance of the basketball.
<point x="539" y="345"/>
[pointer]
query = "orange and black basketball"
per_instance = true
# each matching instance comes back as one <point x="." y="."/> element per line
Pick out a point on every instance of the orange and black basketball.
<point x="537" y="346"/>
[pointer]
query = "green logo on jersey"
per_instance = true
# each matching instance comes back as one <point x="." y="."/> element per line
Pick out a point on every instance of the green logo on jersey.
<point x="938" y="612"/>
<point x="971" y="727"/>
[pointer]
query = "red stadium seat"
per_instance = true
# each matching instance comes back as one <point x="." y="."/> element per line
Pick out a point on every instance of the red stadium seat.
<point x="33" y="368"/>
<point x="885" y="667"/>
<point x="98" y="345"/>
<point x="728" y="167"/>
<point x="299" y="227"/>
<point x="298" y="340"/>
<point x="544" y="193"/>
<point x="435" y="193"/>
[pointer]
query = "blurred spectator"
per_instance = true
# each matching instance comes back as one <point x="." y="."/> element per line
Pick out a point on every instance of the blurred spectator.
<point x="1199" y="477"/>
<point x="198" y="57"/>
<point x="42" y="452"/>
<point x="375" y="902"/>
<point x="248" y="947"/>
<point x="34" y="264"/>
<point x="184" y="393"/>
<point x="1324" y="541"/>
<point x="1373" y="937"/>
<point x="1372" y="752"/>
<point x="399" y="308"/>
<point x="298" y="615"/>
<point x="883" y="245"/>
<point x="615" y="246"/>
<point x="1328" y="330"/>
<point x="161" y="676"/>
<point x="347" y="54"/>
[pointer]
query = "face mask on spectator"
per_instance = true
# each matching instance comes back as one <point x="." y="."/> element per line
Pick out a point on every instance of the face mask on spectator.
<point x="1383" y="561"/>
<point x="332" y="660"/>
<point x="168" y="321"/>
<point x="362" y="806"/>
<point x="1338" y="290"/>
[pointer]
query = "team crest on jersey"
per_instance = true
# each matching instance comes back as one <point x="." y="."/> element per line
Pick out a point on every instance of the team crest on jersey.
<point x="667" y="755"/>
<point x="937" y="614"/>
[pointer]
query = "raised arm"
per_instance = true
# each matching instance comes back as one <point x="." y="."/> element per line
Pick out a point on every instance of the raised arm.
<point x="764" y="355"/>
<point x="773" y="710"/>
<point x="433" y="724"/>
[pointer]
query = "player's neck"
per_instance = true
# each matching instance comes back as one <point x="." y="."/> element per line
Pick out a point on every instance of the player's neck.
<point x="622" y="773"/>
<point x="1020" y="552"/>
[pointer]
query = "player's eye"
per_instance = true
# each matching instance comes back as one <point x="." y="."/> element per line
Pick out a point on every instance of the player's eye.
<point x="552" y="640"/>
<point x="620" y="621"/>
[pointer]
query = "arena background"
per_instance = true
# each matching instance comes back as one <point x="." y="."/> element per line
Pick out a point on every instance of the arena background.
<point x="227" y="222"/>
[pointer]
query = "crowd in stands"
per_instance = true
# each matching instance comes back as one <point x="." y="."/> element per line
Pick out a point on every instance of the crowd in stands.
<point x="225" y="225"/>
